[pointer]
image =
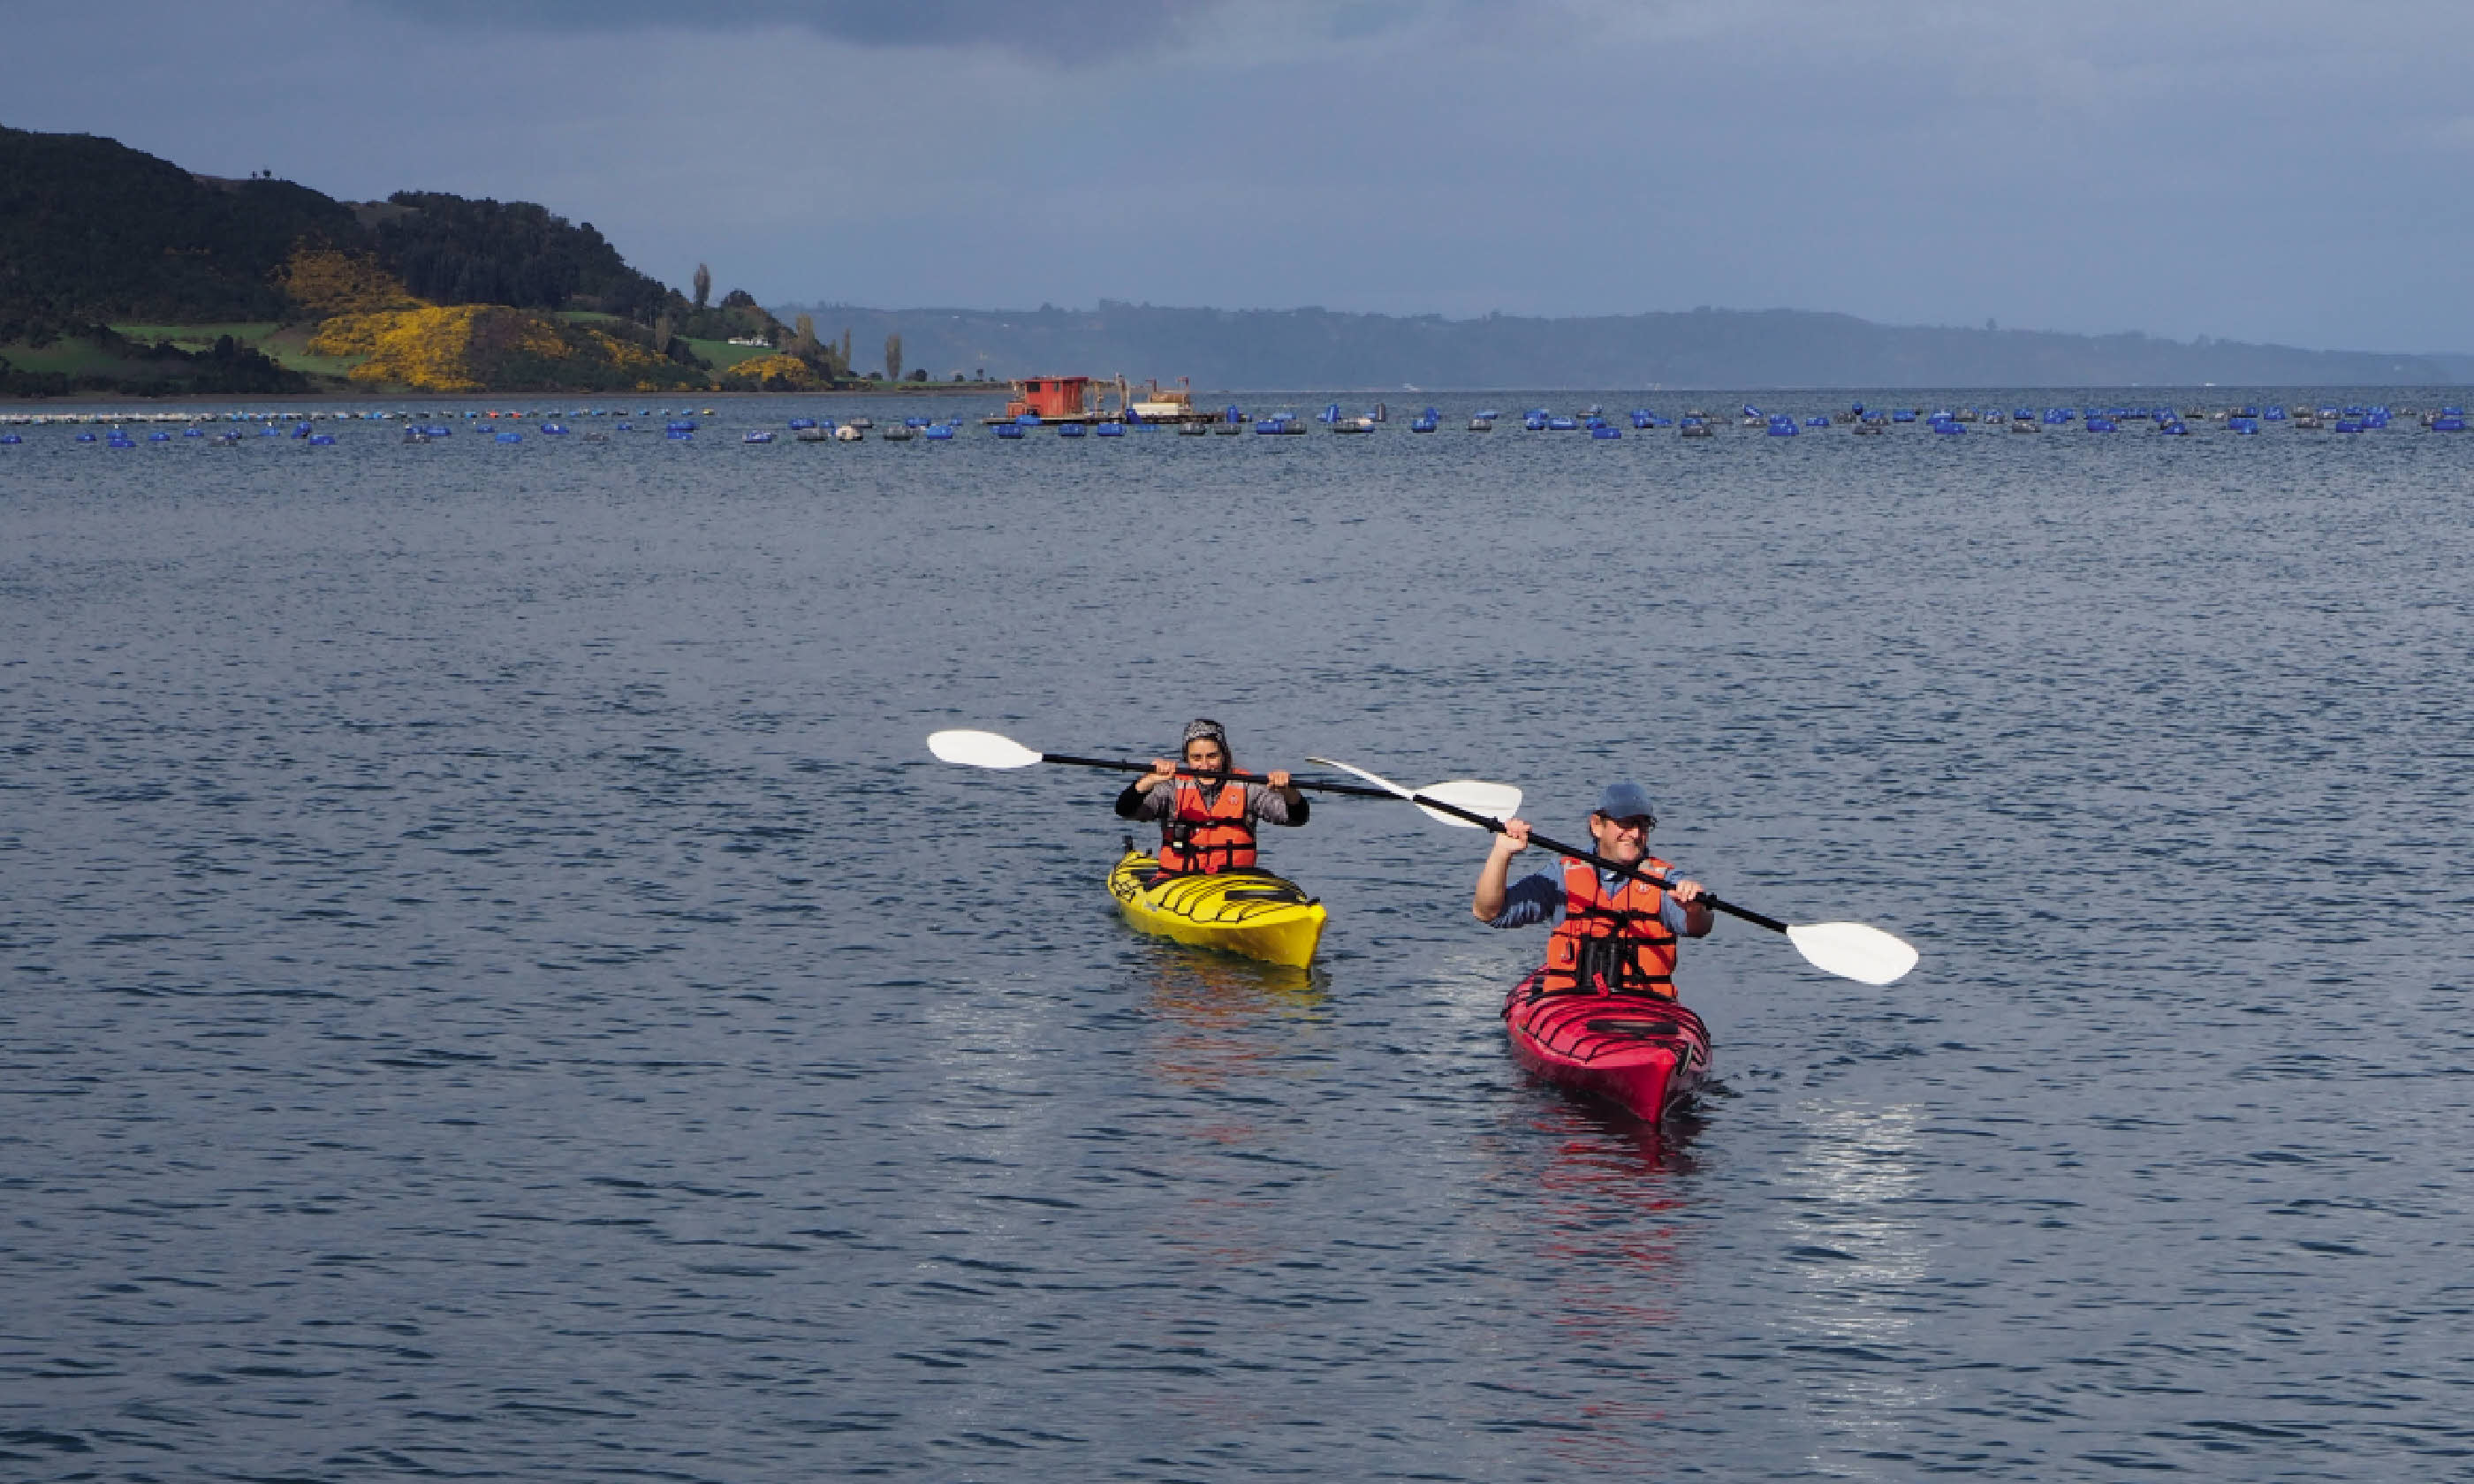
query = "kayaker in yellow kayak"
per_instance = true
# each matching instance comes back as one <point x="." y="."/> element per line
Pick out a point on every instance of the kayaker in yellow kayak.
<point x="1207" y="822"/>
<point x="1615" y="935"/>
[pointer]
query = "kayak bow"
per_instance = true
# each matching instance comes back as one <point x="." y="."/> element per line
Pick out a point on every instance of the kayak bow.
<point x="1639" y="1052"/>
<point x="1247" y="912"/>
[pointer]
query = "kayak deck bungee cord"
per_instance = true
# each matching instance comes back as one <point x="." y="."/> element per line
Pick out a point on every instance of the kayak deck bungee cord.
<point x="1249" y="912"/>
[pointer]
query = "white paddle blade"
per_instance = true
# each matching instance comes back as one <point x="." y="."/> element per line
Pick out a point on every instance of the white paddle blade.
<point x="1497" y="801"/>
<point x="980" y="749"/>
<point x="1853" y="950"/>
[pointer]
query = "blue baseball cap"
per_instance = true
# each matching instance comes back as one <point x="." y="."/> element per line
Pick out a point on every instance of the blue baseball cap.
<point x="1627" y="800"/>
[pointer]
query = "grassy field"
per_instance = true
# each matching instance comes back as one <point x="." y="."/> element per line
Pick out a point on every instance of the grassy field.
<point x="720" y="352"/>
<point x="71" y="357"/>
<point x="290" y="349"/>
<point x="286" y="345"/>
<point x="199" y="337"/>
<point x="723" y="354"/>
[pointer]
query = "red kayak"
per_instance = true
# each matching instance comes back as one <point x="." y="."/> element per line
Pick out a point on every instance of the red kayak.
<point x="1642" y="1053"/>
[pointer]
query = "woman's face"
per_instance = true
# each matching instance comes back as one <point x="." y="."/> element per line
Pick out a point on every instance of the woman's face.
<point x="1205" y="755"/>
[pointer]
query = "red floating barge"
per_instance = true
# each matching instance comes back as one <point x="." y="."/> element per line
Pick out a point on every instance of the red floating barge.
<point x="1086" y="399"/>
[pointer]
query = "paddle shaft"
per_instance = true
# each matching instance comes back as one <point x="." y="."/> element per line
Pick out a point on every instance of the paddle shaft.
<point x="1353" y="789"/>
<point x="1575" y="852"/>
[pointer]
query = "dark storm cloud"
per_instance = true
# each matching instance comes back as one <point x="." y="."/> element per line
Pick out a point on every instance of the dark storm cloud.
<point x="1075" y="35"/>
<point x="2241" y="168"/>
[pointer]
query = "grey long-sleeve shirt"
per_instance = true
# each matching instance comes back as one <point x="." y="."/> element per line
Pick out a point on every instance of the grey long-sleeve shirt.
<point x="1262" y="803"/>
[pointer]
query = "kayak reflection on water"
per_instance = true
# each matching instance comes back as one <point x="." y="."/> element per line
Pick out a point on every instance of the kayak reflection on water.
<point x="1215" y="1021"/>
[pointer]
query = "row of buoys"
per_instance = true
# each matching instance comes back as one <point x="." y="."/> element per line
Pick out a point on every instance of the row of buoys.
<point x="1539" y="418"/>
<point x="322" y="414"/>
<point x="2244" y="420"/>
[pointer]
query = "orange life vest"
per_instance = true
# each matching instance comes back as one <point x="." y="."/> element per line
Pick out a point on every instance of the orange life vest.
<point x="1611" y="944"/>
<point x="1205" y="838"/>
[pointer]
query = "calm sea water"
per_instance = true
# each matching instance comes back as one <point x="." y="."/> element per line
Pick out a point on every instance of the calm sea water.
<point x="495" y="988"/>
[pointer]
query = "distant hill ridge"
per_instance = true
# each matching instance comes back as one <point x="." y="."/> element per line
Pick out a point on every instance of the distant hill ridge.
<point x="1272" y="348"/>
<point x="94" y="234"/>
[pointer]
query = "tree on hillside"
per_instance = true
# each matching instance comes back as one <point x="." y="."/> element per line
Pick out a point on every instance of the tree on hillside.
<point x="820" y="354"/>
<point x="459" y="251"/>
<point x="703" y="286"/>
<point x="894" y="358"/>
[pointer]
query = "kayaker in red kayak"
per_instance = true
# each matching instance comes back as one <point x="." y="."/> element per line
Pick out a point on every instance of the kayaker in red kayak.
<point x="1612" y="935"/>
<point x="1207" y="822"/>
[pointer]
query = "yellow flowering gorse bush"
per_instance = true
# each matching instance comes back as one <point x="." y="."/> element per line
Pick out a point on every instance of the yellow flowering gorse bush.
<point x="772" y="374"/>
<point x="475" y="348"/>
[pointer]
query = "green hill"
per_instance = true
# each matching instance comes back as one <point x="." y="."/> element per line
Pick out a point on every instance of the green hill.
<point x="92" y="230"/>
<point x="122" y="272"/>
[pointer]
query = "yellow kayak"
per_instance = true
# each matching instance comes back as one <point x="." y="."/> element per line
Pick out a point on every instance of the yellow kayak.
<point x="1250" y="912"/>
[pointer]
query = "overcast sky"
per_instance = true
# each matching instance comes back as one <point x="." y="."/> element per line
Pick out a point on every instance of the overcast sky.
<point x="2256" y="171"/>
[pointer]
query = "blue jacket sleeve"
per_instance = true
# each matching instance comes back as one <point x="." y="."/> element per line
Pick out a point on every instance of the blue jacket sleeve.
<point x="1529" y="901"/>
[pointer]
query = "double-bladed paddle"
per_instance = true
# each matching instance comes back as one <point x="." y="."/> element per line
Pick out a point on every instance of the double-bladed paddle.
<point x="1850" y="950"/>
<point x="1464" y="803"/>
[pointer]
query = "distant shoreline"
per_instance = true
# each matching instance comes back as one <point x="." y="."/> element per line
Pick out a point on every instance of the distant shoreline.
<point x="74" y="400"/>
